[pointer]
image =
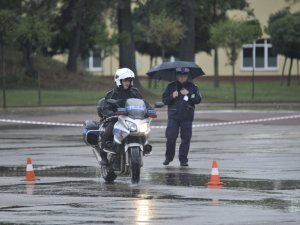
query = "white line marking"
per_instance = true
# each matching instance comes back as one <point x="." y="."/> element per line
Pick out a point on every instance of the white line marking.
<point x="47" y="167"/>
<point x="161" y="126"/>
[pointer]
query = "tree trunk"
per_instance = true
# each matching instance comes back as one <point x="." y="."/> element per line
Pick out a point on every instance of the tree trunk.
<point x="298" y="72"/>
<point x="283" y="68"/>
<point x="126" y="46"/>
<point x="29" y="64"/>
<point x="39" y="89"/>
<point x="163" y="54"/>
<point x="216" y="68"/>
<point x="74" y="49"/>
<point x="3" y="77"/>
<point x="290" y="72"/>
<point x="234" y="87"/>
<point x="155" y="81"/>
<point x="187" y="44"/>
<point x="253" y="74"/>
<point x="149" y="79"/>
<point x="28" y="59"/>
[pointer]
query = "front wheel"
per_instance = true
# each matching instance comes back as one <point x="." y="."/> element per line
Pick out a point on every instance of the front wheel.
<point x="135" y="164"/>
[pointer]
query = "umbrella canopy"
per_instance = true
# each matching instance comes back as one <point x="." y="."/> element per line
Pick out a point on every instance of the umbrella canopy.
<point x="167" y="70"/>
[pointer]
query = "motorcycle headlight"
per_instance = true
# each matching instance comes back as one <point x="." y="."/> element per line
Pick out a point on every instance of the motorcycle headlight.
<point x="131" y="126"/>
<point x="144" y="127"/>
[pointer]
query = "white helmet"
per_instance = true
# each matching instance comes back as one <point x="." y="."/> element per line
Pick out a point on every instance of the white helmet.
<point x="123" y="73"/>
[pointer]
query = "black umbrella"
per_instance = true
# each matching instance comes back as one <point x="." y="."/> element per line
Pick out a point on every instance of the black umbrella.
<point x="167" y="70"/>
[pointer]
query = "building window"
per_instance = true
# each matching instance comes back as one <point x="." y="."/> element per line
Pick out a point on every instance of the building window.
<point x="93" y="62"/>
<point x="264" y="56"/>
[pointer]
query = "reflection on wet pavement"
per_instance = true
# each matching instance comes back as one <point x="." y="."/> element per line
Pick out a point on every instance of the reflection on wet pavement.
<point x="172" y="178"/>
<point x="94" y="187"/>
<point x="143" y="197"/>
<point x="259" y="166"/>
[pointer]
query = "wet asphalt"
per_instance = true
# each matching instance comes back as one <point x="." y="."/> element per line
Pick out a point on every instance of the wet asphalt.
<point x="259" y="164"/>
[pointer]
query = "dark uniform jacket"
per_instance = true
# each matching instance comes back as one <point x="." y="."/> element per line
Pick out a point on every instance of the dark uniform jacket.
<point x="179" y="108"/>
<point x="106" y="109"/>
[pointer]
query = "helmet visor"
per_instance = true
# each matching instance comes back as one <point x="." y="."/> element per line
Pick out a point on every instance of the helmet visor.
<point x="128" y="79"/>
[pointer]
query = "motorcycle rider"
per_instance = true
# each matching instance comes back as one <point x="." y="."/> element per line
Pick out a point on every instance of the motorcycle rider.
<point x="122" y="91"/>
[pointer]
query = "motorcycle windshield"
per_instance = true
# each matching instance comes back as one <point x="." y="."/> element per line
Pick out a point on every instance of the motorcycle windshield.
<point x="135" y="108"/>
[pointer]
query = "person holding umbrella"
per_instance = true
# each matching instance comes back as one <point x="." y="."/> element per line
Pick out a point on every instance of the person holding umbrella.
<point x="180" y="96"/>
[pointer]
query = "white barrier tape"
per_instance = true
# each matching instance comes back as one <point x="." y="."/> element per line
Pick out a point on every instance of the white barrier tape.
<point x="159" y="127"/>
<point x="247" y="121"/>
<point x="41" y="123"/>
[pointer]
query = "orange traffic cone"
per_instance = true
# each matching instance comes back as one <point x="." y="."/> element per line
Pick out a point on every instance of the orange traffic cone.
<point x="214" y="177"/>
<point x="30" y="176"/>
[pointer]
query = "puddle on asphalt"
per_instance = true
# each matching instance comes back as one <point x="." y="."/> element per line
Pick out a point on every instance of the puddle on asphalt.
<point x="51" y="171"/>
<point x="124" y="189"/>
<point x="188" y="179"/>
<point x="92" y="188"/>
<point x="5" y="223"/>
<point x="172" y="178"/>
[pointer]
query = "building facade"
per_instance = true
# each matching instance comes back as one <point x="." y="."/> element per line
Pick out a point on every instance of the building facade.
<point x="265" y="62"/>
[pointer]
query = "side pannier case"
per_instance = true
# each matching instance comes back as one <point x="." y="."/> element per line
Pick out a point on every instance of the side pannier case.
<point x="91" y="132"/>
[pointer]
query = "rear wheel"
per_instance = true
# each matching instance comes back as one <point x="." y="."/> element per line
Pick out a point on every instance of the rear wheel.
<point x="135" y="164"/>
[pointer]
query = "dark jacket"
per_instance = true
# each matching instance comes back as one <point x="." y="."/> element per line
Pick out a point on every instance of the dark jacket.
<point x="178" y="108"/>
<point x="106" y="109"/>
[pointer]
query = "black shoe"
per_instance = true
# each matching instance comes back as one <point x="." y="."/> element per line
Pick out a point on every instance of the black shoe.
<point x="147" y="149"/>
<point x="166" y="162"/>
<point x="184" y="164"/>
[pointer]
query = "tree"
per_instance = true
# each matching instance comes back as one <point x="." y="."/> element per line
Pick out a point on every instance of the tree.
<point x="107" y="42"/>
<point x="165" y="32"/>
<point x="187" y="43"/>
<point x="197" y="16"/>
<point x="126" y="44"/>
<point x="283" y="28"/>
<point x="30" y="30"/>
<point x="7" y="24"/>
<point x="208" y="13"/>
<point x="253" y="28"/>
<point x="143" y="42"/>
<point x="32" y="33"/>
<point x="141" y="20"/>
<point x="76" y="25"/>
<point x="231" y="34"/>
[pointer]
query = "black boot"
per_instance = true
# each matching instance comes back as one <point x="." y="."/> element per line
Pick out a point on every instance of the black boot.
<point x="103" y="155"/>
<point x="108" y="146"/>
<point x="104" y="161"/>
<point x="166" y="162"/>
<point x="116" y="161"/>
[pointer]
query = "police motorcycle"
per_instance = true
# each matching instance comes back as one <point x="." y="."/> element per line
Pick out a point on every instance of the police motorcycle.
<point x="131" y="139"/>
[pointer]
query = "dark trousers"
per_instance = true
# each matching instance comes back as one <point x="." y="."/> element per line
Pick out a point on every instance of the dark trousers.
<point x="108" y="133"/>
<point x="172" y="131"/>
<point x="107" y="136"/>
